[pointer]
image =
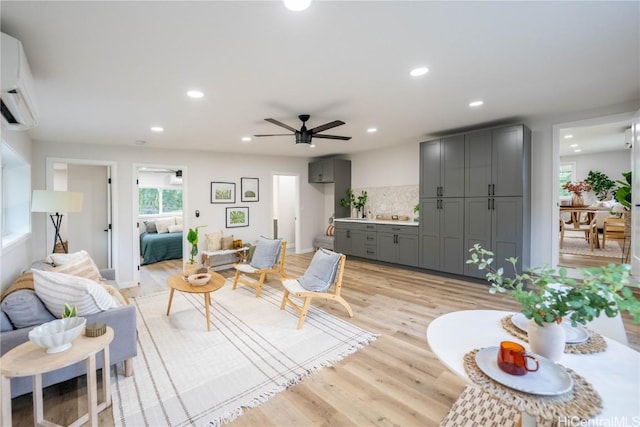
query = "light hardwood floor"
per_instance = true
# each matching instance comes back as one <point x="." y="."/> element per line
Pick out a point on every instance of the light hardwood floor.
<point x="394" y="381"/>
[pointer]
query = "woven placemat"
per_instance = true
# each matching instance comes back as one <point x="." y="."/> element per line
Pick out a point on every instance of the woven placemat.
<point x="583" y="401"/>
<point x="594" y="344"/>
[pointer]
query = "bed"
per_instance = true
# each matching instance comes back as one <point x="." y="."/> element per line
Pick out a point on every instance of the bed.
<point x="156" y="247"/>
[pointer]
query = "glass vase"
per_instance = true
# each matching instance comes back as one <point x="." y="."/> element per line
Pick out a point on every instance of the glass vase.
<point x="577" y="199"/>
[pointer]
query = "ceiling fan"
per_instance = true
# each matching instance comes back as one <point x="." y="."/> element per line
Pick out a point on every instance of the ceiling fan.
<point x="304" y="135"/>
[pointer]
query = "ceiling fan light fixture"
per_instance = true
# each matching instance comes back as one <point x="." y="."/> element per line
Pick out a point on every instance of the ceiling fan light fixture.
<point x="297" y="5"/>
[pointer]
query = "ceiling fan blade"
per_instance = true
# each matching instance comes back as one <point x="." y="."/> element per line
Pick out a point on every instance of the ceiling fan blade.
<point x="343" y="138"/>
<point x="279" y="123"/>
<point x="327" y="126"/>
<point x="275" y="134"/>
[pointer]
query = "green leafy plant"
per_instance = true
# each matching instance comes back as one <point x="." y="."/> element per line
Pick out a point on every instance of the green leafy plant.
<point x="600" y="184"/>
<point x="548" y="297"/>
<point x="416" y="208"/>
<point x="69" y="311"/>
<point x="192" y="237"/>
<point x="623" y="192"/>
<point x="347" y="202"/>
<point x="361" y="200"/>
<point x="351" y="201"/>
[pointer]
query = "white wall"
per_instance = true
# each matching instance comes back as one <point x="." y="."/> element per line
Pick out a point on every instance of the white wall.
<point x="199" y="169"/>
<point x="611" y="163"/>
<point x="399" y="165"/>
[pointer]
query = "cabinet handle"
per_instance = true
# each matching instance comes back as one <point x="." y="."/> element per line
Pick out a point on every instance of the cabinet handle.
<point x="489" y="204"/>
<point x="348" y="234"/>
<point x="493" y="189"/>
<point x="488" y="189"/>
<point x="493" y="204"/>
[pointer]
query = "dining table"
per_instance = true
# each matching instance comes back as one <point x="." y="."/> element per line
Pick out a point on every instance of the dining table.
<point x="613" y="373"/>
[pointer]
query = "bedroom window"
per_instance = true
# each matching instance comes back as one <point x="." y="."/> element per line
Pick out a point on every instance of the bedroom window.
<point x="154" y="201"/>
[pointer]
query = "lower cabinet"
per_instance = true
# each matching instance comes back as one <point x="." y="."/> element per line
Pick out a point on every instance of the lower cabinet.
<point x="398" y="244"/>
<point x="496" y="224"/>
<point x="349" y="238"/>
<point x="442" y="234"/>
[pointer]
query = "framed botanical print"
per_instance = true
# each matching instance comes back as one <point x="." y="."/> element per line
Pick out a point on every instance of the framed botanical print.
<point x="237" y="217"/>
<point x="249" y="188"/>
<point x="223" y="192"/>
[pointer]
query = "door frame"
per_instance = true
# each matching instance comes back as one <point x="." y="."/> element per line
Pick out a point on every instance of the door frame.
<point x="112" y="201"/>
<point x="553" y="190"/>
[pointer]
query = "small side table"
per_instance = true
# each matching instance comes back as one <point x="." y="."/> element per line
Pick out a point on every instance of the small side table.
<point x="28" y="359"/>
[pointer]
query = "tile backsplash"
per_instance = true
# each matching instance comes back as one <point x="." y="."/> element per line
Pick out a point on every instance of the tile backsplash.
<point x="387" y="201"/>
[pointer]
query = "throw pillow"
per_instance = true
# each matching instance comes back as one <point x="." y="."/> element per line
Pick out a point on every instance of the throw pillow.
<point x="177" y="228"/>
<point x="162" y="224"/>
<point x="331" y="230"/>
<point x="81" y="267"/>
<point x="56" y="289"/>
<point x="62" y="258"/>
<point x="214" y="240"/>
<point x="322" y="271"/>
<point x="252" y="249"/>
<point x="227" y="242"/>
<point x="25" y="309"/>
<point x="119" y="299"/>
<point x="266" y="253"/>
<point x="5" y="323"/>
<point x="151" y="226"/>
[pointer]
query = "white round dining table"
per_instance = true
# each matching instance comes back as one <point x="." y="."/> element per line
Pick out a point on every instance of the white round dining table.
<point x="614" y="373"/>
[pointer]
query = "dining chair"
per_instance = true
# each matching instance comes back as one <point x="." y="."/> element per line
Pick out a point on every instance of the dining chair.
<point x="590" y="230"/>
<point x="613" y="229"/>
<point x="267" y="258"/>
<point x="326" y="270"/>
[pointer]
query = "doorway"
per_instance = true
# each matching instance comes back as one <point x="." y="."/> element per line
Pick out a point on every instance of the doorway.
<point x="598" y="145"/>
<point x="91" y="229"/>
<point x="286" y="198"/>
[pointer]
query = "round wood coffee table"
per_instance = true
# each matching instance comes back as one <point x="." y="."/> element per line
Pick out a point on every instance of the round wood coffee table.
<point x="177" y="282"/>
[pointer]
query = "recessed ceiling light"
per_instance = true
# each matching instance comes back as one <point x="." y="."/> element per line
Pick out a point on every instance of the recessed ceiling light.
<point x="577" y="150"/>
<point x="573" y="145"/>
<point x="476" y="103"/>
<point x="419" y="71"/>
<point x="157" y="128"/>
<point x="246" y="138"/>
<point x="195" y="94"/>
<point x="372" y="130"/>
<point x="297" y="5"/>
<point x="568" y="136"/>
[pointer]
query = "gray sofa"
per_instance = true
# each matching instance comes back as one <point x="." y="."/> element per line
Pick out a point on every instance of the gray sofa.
<point x="121" y="350"/>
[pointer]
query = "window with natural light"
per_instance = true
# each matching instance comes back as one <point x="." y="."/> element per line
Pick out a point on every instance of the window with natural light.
<point x="158" y="201"/>
<point x="567" y="174"/>
<point x="16" y="196"/>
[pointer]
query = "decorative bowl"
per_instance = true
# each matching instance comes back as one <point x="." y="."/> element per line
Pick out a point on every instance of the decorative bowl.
<point x="56" y="336"/>
<point x="199" y="279"/>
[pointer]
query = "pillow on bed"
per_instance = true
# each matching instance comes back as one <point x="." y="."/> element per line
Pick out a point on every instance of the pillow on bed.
<point x="178" y="220"/>
<point x="162" y="224"/>
<point x="151" y="226"/>
<point x="176" y="228"/>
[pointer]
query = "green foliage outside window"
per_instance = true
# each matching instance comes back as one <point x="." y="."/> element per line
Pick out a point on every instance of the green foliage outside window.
<point x="566" y="175"/>
<point x="157" y="201"/>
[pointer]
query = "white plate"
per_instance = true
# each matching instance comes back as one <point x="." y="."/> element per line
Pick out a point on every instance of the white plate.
<point x="574" y="335"/>
<point x="549" y="380"/>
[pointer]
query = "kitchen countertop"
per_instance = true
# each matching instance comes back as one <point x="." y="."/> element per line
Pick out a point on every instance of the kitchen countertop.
<point x="377" y="221"/>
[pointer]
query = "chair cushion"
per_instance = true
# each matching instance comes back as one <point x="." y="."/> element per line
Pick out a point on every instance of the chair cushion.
<point x="25" y="309"/>
<point x="293" y="286"/>
<point x="56" y="289"/>
<point x="321" y="273"/>
<point x="245" y="268"/>
<point x="266" y="253"/>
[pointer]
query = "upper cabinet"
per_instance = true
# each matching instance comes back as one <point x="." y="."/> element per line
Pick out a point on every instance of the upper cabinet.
<point x="497" y="162"/>
<point x="442" y="167"/>
<point x="337" y="172"/>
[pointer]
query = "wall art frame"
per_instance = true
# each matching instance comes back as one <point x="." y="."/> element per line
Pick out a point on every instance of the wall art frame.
<point x="223" y="192"/>
<point x="237" y="217"/>
<point x="249" y="189"/>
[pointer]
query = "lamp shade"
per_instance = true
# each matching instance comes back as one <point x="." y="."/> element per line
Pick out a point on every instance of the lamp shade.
<point x="56" y="201"/>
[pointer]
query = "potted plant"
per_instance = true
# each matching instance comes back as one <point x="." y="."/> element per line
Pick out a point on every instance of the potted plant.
<point x="547" y="298"/>
<point x="623" y="196"/>
<point x="360" y="202"/>
<point x="192" y="237"/>
<point x="416" y="210"/>
<point x="600" y="184"/>
<point x="353" y="202"/>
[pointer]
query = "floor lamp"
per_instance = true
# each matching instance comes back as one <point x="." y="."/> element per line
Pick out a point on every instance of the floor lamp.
<point x="56" y="201"/>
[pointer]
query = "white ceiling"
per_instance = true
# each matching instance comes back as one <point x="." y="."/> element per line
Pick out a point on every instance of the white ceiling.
<point x="105" y="72"/>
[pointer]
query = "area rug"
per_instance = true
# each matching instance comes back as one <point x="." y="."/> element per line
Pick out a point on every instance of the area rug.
<point x="184" y="375"/>
<point x="579" y="246"/>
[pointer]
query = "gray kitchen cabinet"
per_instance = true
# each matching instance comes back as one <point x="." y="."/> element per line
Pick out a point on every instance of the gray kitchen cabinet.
<point x="442" y="167"/>
<point x="371" y="241"/>
<point x="497" y="162"/>
<point x="349" y="238"/>
<point x="337" y="172"/>
<point x="398" y="244"/>
<point x="441" y="234"/>
<point x="495" y="223"/>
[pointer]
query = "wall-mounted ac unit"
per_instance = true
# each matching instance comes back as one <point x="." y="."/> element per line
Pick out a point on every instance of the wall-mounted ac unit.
<point x="18" y="107"/>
